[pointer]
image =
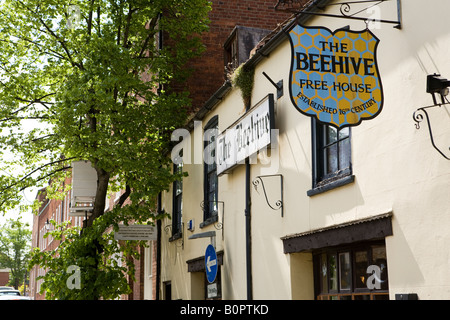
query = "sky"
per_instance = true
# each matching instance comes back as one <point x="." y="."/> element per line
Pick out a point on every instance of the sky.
<point x="28" y="194"/>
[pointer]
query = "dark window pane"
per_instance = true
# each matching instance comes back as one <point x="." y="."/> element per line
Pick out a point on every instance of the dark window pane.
<point x="343" y="133"/>
<point x="332" y="152"/>
<point x="379" y="259"/>
<point x="332" y="272"/>
<point x="323" y="273"/>
<point x="344" y="154"/>
<point x="210" y="169"/>
<point x="212" y="203"/>
<point x="345" y="275"/>
<point x="361" y="264"/>
<point x="210" y="148"/>
<point x="331" y="159"/>
<point x="177" y="199"/>
<point x="331" y="135"/>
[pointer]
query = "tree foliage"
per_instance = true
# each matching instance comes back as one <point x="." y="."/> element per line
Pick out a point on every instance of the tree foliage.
<point x="89" y="80"/>
<point x="103" y="263"/>
<point x="15" y="239"/>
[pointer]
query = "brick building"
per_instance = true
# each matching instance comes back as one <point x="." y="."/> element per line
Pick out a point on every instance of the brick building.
<point x="209" y="68"/>
<point x="50" y="209"/>
<point x="4" y="277"/>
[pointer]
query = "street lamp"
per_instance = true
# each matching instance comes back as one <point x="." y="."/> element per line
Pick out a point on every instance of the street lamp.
<point x="47" y="225"/>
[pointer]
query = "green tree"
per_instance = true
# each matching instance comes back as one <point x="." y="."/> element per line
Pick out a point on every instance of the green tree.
<point x="93" y="80"/>
<point x="15" y="239"/>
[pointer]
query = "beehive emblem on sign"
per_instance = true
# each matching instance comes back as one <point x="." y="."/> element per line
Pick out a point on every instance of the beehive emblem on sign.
<point x="334" y="76"/>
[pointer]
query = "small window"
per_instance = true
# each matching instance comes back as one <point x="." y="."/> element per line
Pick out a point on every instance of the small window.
<point x="167" y="290"/>
<point x="231" y="53"/>
<point x="210" y="173"/>
<point x="177" y="200"/>
<point x="331" y="157"/>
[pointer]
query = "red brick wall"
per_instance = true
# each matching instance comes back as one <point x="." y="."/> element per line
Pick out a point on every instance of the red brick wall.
<point x="225" y="15"/>
<point x="50" y="209"/>
<point x="4" y="278"/>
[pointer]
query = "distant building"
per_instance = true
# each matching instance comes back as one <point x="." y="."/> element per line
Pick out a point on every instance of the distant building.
<point x="50" y="209"/>
<point x="4" y="276"/>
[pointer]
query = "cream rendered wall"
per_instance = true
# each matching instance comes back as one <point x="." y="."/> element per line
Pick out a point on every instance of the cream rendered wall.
<point x="416" y="178"/>
<point x="176" y="253"/>
<point x="396" y="169"/>
<point x="395" y="166"/>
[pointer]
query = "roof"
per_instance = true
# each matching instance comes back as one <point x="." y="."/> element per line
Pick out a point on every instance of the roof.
<point x="338" y="226"/>
<point x="374" y="228"/>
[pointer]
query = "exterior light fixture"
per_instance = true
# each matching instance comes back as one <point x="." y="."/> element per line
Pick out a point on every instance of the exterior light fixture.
<point x="437" y="84"/>
<point x="47" y="225"/>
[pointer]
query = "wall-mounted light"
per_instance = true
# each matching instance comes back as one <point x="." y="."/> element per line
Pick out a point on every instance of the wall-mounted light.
<point x="437" y="84"/>
<point x="47" y="225"/>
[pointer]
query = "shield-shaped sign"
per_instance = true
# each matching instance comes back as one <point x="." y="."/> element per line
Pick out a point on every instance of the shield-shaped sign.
<point x="334" y="76"/>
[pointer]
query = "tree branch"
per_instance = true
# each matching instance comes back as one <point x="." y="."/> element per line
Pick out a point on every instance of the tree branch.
<point x="36" y="170"/>
<point x="53" y="34"/>
<point x="89" y="26"/>
<point x="127" y="26"/>
<point x="124" y="196"/>
<point x="151" y="28"/>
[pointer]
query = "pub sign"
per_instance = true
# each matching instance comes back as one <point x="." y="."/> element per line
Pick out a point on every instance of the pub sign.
<point x="334" y="76"/>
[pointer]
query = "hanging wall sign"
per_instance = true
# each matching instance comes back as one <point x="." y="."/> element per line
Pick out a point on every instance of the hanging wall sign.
<point x="249" y="134"/>
<point x="334" y="75"/>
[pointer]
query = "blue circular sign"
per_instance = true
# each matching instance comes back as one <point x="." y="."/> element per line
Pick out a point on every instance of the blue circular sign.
<point x="211" y="263"/>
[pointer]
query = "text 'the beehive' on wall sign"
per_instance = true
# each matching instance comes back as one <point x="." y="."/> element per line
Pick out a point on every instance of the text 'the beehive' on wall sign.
<point x="334" y="76"/>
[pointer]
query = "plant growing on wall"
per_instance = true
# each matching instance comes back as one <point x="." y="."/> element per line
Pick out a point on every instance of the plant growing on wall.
<point x="243" y="78"/>
<point x="88" y="80"/>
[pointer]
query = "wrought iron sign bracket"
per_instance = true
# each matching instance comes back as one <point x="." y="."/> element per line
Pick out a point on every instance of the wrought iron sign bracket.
<point x="278" y="86"/>
<point x="219" y="224"/>
<point x="418" y="117"/>
<point x="279" y="203"/>
<point x="177" y="239"/>
<point x="345" y="10"/>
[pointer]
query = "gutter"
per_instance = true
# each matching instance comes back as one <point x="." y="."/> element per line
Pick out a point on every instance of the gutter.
<point x="210" y="104"/>
<point x="283" y="34"/>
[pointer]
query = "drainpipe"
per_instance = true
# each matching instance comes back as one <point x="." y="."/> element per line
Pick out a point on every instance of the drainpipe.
<point x="158" y="251"/>
<point x="248" y="229"/>
<point x="248" y="235"/>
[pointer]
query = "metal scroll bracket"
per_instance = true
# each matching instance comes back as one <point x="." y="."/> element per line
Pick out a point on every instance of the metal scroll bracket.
<point x="260" y="180"/>
<point x="418" y="117"/>
<point x="346" y="10"/>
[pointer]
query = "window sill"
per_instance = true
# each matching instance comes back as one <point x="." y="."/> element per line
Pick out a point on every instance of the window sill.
<point x="209" y="221"/>
<point x="176" y="236"/>
<point x="331" y="185"/>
